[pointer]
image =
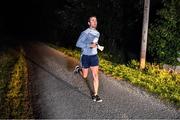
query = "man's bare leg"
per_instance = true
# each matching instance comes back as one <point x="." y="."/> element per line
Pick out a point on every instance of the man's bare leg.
<point x="84" y="73"/>
<point x="95" y="79"/>
<point x="95" y="97"/>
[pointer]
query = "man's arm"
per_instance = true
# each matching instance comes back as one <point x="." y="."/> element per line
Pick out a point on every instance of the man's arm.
<point x="80" y="43"/>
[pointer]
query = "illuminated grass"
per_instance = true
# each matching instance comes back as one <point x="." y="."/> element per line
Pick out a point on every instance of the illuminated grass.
<point x="16" y="96"/>
<point x="7" y="61"/>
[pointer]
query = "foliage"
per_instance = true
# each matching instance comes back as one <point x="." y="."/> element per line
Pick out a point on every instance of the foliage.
<point x="164" y="38"/>
<point x="6" y="62"/>
<point x="153" y="79"/>
<point x="133" y="64"/>
<point x="15" y="103"/>
<point x="119" y="23"/>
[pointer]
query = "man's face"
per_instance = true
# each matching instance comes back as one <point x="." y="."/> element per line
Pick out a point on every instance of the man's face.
<point x="92" y="22"/>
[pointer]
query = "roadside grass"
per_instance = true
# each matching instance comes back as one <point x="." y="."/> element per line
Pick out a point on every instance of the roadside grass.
<point x="7" y="60"/>
<point x="14" y="102"/>
<point x="153" y="79"/>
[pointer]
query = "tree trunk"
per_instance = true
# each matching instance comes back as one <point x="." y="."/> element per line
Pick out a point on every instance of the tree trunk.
<point x="144" y="34"/>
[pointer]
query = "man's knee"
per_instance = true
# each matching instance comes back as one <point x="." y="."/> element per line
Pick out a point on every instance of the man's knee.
<point x="95" y="75"/>
<point x="85" y="76"/>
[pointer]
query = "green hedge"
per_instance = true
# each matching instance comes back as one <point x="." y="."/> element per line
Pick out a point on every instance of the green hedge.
<point x="164" y="37"/>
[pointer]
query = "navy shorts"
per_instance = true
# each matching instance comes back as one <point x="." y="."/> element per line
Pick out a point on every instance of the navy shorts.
<point x="89" y="61"/>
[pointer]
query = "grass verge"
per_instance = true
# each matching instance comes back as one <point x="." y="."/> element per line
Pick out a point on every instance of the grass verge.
<point x="152" y="79"/>
<point x="15" y="98"/>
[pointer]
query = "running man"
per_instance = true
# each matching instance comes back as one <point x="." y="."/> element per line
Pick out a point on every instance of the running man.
<point x="88" y="42"/>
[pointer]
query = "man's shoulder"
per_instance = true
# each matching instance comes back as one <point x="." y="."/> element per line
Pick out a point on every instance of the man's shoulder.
<point x="86" y="31"/>
<point x="91" y="31"/>
<point x="94" y="32"/>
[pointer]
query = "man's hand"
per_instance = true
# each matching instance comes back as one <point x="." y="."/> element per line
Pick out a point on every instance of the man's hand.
<point x="101" y="48"/>
<point x="93" y="45"/>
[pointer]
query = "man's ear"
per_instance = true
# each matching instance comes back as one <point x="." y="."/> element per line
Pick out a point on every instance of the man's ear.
<point x="88" y="23"/>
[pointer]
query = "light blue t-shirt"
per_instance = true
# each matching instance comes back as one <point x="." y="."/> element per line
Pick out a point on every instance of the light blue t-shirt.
<point x="85" y="39"/>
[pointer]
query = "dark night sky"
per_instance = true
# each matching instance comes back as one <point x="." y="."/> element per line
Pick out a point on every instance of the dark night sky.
<point x="35" y="19"/>
<point x="26" y="18"/>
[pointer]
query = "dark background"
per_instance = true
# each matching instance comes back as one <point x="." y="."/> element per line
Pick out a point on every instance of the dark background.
<point x="61" y="21"/>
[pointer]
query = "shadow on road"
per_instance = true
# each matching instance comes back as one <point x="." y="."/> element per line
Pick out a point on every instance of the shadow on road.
<point x="56" y="77"/>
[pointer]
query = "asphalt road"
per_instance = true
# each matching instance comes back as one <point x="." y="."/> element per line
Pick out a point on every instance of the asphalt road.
<point x="58" y="93"/>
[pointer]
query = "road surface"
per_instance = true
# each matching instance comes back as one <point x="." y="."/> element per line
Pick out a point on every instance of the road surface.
<point x="58" y="93"/>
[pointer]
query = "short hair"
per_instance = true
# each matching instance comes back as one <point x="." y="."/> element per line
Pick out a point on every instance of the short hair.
<point x="91" y="17"/>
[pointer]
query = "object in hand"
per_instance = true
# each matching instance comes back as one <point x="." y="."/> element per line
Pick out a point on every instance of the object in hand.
<point x="101" y="48"/>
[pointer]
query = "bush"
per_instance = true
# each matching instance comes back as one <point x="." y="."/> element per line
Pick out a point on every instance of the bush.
<point x="164" y="39"/>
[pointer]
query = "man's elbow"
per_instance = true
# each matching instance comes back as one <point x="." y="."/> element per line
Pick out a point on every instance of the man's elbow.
<point x="77" y="45"/>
